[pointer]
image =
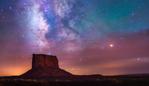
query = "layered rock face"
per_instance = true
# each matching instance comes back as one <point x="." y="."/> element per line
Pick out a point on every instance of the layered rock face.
<point x="45" y="66"/>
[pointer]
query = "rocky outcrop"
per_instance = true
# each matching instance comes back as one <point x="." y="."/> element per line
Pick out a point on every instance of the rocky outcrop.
<point x="45" y="66"/>
<point x="41" y="61"/>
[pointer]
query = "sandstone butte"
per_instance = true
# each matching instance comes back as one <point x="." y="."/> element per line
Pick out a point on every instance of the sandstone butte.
<point x="45" y="66"/>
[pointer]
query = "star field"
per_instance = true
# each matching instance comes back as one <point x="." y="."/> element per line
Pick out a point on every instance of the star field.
<point x="88" y="36"/>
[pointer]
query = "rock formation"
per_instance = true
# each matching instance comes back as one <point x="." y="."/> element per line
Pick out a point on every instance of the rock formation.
<point x="41" y="61"/>
<point x="45" y="66"/>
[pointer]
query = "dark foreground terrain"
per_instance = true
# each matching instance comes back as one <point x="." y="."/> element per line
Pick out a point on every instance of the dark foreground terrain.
<point x="77" y="81"/>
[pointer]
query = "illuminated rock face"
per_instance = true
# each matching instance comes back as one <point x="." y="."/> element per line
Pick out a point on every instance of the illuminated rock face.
<point x="45" y="66"/>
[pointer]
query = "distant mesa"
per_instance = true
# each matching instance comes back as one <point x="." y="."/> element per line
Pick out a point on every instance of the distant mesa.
<point x="45" y="66"/>
<point x="46" y="72"/>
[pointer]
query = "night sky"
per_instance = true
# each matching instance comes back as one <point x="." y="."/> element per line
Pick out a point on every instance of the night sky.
<point x="108" y="37"/>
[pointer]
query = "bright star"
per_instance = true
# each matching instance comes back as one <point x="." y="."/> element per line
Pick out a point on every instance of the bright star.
<point x="111" y="45"/>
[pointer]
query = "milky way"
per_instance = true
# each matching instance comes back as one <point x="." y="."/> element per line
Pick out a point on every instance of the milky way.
<point x="45" y="23"/>
<point x="38" y="26"/>
<point x="88" y="36"/>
